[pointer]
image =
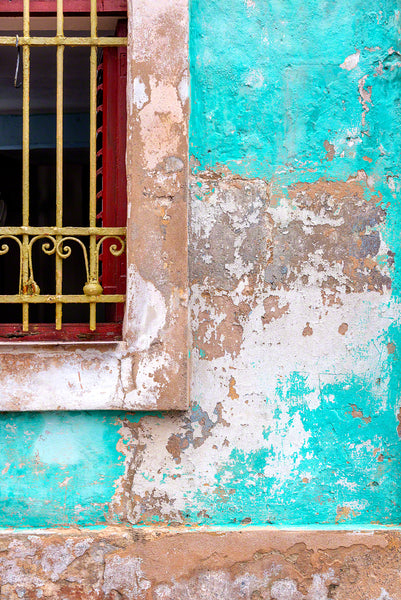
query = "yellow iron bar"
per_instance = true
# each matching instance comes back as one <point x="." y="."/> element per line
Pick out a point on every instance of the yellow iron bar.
<point x="92" y="168"/>
<point x="25" y="162"/>
<point x="59" y="157"/>
<point x="65" y="299"/>
<point x="7" y="40"/>
<point x="77" y="231"/>
<point x="29" y="291"/>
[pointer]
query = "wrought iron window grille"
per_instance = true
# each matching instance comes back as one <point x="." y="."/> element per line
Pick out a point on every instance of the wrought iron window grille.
<point x="95" y="240"/>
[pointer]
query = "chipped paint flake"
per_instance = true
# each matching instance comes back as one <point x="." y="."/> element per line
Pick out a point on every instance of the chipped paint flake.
<point x="351" y="61"/>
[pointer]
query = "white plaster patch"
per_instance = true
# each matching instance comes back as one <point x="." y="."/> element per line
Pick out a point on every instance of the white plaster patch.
<point x="287" y="438"/>
<point x="12" y="569"/>
<point x="365" y="97"/>
<point x="344" y="482"/>
<point x="346" y="139"/>
<point x="174" y="164"/>
<point x="221" y="200"/>
<point x="384" y="595"/>
<point x="85" y="378"/>
<point x="212" y="585"/>
<point x="394" y="184"/>
<point x="147" y="387"/>
<point x="355" y="505"/>
<point x="126" y="372"/>
<point x="124" y="573"/>
<point x="146" y="310"/>
<point x="285" y="212"/>
<point x="285" y="589"/>
<point x="56" y="557"/>
<point x="140" y="96"/>
<point x="183" y="88"/>
<point x="351" y="61"/>
<point x="318" y="589"/>
<point x="268" y="358"/>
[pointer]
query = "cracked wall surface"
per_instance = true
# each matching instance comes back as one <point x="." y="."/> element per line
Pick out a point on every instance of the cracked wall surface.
<point x="294" y="274"/>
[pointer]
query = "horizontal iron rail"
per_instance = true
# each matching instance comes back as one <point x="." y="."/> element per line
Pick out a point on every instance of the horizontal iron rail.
<point x="7" y="40"/>
<point x="65" y="299"/>
<point x="78" y="231"/>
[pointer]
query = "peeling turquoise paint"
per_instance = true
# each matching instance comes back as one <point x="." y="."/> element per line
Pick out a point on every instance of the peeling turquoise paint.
<point x="268" y="90"/>
<point x="347" y="472"/>
<point x="58" y="468"/>
<point x="268" y="97"/>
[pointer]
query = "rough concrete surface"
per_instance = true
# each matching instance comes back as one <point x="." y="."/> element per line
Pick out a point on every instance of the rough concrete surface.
<point x="175" y="565"/>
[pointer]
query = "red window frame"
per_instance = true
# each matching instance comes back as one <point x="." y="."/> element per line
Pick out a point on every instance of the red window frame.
<point x="113" y="210"/>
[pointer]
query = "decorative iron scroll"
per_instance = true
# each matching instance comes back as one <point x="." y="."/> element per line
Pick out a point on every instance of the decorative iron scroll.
<point x="28" y="289"/>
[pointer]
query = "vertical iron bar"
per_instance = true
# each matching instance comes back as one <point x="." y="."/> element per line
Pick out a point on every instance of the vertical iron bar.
<point x="92" y="167"/>
<point x="25" y="163"/>
<point x="59" y="157"/>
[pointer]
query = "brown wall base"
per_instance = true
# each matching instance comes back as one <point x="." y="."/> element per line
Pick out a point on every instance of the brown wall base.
<point x="155" y="564"/>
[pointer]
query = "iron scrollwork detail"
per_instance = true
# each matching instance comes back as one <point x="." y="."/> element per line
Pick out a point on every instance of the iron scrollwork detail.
<point x="54" y="245"/>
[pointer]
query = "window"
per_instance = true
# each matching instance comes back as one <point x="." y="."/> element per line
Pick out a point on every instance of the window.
<point x="62" y="169"/>
<point x="147" y="369"/>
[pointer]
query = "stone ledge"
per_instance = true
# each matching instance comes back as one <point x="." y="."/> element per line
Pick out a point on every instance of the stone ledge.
<point x="159" y="564"/>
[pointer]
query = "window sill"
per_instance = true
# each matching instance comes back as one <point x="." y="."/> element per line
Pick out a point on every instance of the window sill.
<point x="74" y="333"/>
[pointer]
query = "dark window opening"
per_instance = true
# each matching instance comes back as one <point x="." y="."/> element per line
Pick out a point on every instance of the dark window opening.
<point x="110" y="181"/>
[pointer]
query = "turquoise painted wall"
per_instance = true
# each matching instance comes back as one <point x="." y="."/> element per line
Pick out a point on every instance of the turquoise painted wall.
<point x="267" y="93"/>
<point x="57" y="468"/>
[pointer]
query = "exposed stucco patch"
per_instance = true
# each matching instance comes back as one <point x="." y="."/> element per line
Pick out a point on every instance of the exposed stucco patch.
<point x="161" y="123"/>
<point x="328" y="234"/>
<point x="230" y="226"/>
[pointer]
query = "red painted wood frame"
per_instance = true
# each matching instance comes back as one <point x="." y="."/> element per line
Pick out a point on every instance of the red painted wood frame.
<point x="114" y="212"/>
<point x="114" y="196"/>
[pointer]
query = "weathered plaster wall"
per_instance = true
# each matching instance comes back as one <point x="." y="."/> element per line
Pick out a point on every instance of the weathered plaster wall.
<point x="295" y="309"/>
<point x="246" y="565"/>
